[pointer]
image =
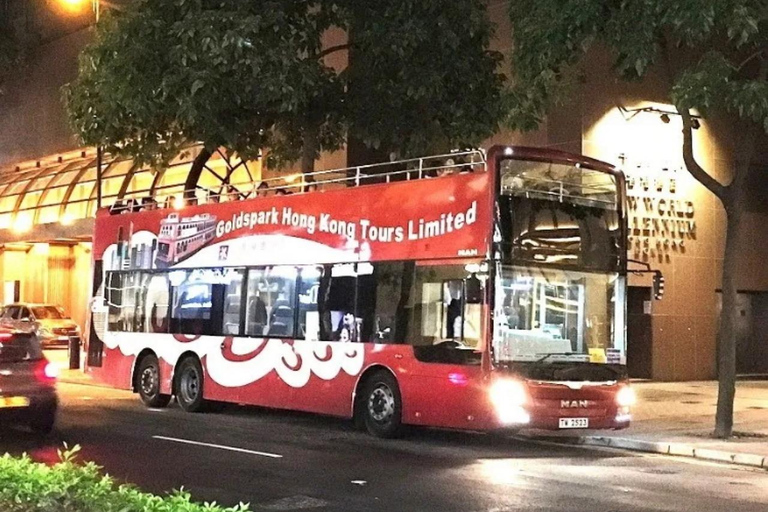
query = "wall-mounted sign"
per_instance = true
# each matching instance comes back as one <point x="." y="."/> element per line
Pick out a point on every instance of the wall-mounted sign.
<point x="661" y="220"/>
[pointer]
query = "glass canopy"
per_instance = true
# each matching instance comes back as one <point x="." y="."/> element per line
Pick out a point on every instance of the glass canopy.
<point x="62" y="189"/>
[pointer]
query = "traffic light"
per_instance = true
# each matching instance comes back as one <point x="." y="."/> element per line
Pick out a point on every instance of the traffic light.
<point x="658" y="285"/>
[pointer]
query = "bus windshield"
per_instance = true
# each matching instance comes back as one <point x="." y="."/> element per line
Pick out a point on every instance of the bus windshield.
<point x="560" y="214"/>
<point x="558" y="315"/>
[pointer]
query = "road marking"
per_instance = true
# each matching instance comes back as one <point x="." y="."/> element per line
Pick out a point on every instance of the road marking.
<point x="218" y="446"/>
<point x="298" y="502"/>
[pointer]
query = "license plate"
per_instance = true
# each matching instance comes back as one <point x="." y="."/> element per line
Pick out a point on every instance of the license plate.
<point x="574" y="422"/>
<point x="13" y="401"/>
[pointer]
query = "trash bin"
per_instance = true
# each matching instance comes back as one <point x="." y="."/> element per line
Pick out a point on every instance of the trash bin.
<point x="74" y="352"/>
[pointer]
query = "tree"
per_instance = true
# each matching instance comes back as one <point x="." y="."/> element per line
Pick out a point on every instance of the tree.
<point x="249" y="76"/>
<point x="161" y="75"/>
<point x="422" y="78"/>
<point x="11" y="54"/>
<point x="715" y="55"/>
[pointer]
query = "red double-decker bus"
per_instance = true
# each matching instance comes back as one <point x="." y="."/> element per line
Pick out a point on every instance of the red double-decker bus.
<point x="466" y="291"/>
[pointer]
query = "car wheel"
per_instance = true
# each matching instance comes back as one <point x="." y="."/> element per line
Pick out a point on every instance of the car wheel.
<point x="148" y="383"/>
<point x="189" y="385"/>
<point x="43" y="425"/>
<point x="382" y="406"/>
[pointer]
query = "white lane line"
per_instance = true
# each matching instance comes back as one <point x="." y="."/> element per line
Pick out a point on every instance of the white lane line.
<point x="218" y="446"/>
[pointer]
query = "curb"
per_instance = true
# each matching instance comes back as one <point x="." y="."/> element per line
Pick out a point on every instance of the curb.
<point x="82" y="382"/>
<point x="663" y="448"/>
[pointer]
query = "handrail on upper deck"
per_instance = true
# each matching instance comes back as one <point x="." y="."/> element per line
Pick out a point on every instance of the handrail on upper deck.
<point x="457" y="162"/>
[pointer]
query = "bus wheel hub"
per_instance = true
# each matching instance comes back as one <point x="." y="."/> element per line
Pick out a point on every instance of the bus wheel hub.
<point x="148" y="380"/>
<point x="381" y="404"/>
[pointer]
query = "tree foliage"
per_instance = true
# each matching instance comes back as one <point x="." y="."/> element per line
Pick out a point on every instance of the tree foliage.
<point x="11" y="56"/>
<point x="714" y="55"/>
<point x="254" y="75"/>
<point x="711" y="49"/>
<point x="423" y="79"/>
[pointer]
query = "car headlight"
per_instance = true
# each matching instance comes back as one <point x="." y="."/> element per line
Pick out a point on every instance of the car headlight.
<point x="626" y="397"/>
<point x="45" y="332"/>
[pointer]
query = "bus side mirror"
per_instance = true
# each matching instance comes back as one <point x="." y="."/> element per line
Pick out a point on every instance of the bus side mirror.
<point x="658" y="285"/>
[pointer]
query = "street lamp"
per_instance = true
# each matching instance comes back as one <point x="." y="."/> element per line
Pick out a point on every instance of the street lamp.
<point x="96" y="5"/>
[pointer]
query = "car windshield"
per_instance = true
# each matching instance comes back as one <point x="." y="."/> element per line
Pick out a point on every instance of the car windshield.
<point x="549" y="315"/>
<point x="48" y="313"/>
<point x="18" y="347"/>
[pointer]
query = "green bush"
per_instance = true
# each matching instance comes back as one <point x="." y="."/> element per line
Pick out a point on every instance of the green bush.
<point x="27" y="486"/>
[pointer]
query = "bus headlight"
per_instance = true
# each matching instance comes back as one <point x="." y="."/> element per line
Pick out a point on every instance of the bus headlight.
<point x="626" y="397"/>
<point x="508" y="398"/>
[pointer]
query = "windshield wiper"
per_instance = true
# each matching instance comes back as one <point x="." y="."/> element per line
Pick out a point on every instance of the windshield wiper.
<point x="547" y="356"/>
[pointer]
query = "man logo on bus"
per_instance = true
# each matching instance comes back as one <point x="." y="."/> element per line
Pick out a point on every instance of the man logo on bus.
<point x="574" y="404"/>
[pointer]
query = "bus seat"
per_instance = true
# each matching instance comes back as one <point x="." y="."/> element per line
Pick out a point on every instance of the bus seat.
<point x="282" y="312"/>
<point x="255" y="329"/>
<point x="232" y="316"/>
<point x="278" y="329"/>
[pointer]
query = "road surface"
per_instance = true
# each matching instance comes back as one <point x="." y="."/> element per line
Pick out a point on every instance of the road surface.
<point x="289" y="461"/>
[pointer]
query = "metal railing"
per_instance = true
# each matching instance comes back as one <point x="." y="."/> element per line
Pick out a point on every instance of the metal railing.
<point x="604" y="195"/>
<point x="434" y="166"/>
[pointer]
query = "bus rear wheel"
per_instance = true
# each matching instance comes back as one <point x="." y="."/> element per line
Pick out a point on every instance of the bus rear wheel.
<point x="189" y="385"/>
<point x="148" y="383"/>
<point x="381" y="405"/>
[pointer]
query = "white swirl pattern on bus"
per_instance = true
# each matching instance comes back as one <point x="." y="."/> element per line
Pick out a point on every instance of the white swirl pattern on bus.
<point x="294" y="362"/>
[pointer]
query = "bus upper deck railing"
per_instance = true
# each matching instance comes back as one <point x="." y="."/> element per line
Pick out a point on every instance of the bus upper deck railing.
<point x="458" y="162"/>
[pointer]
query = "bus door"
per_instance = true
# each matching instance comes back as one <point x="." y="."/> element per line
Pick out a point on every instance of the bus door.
<point x="445" y="321"/>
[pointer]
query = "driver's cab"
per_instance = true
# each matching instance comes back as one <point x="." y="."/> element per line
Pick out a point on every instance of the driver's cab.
<point x="446" y="313"/>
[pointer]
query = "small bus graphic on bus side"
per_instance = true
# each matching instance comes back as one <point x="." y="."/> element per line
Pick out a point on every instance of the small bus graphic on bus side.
<point x="179" y="238"/>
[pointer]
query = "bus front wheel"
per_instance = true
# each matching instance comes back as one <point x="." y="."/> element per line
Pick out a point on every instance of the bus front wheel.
<point x="148" y="383"/>
<point x="381" y="407"/>
<point x="189" y="385"/>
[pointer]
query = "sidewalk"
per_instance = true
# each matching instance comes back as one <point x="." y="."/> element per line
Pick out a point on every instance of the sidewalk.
<point x="76" y="377"/>
<point x="677" y="418"/>
<point x="59" y="357"/>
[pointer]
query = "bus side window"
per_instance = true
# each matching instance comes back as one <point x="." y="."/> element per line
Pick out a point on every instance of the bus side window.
<point x="199" y="301"/>
<point x="157" y="303"/>
<point x="192" y="304"/>
<point x="114" y="296"/>
<point x="271" y="301"/>
<point x="256" y="306"/>
<point x="445" y="304"/>
<point x="233" y="292"/>
<point x="378" y="301"/>
<point x="309" y="315"/>
<point x="336" y="303"/>
<point x="473" y="310"/>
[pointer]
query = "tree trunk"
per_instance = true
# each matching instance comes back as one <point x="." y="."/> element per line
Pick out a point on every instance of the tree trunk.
<point x="309" y="149"/>
<point x="726" y="342"/>
<point x="190" y="184"/>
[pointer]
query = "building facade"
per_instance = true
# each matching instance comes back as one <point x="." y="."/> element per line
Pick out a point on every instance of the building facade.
<point x="48" y="197"/>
